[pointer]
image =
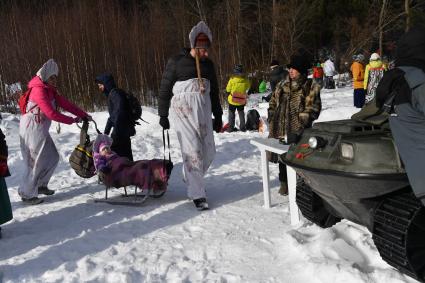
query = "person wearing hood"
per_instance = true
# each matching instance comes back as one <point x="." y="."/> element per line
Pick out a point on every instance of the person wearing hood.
<point x="294" y="105"/>
<point x="403" y="88"/>
<point x="119" y="116"/>
<point x="373" y="74"/>
<point x="237" y="89"/>
<point x="39" y="153"/>
<point x="357" y="69"/>
<point x="5" y="206"/>
<point x="189" y="93"/>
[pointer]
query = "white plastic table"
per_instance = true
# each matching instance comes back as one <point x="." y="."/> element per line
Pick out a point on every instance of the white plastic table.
<point x="273" y="145"/>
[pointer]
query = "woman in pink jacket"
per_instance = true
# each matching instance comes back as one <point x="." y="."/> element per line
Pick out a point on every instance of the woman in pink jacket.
<point x="38" y="150"/>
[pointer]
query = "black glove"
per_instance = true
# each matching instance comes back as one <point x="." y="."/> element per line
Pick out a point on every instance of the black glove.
<point x="292" y="138"/>
<point x="164" y="122"/>
<point x="218" y="124"/>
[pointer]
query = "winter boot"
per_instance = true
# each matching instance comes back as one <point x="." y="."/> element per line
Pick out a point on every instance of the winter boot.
<point x="283" y="190"/>
<point x="45" y="191"/>
<point x="201" y="204"/>
<point x="32" y="201"/>
<point x="231" y="121"/>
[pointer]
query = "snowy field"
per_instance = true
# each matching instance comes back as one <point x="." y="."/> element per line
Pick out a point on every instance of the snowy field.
<point x="69" y="238"/>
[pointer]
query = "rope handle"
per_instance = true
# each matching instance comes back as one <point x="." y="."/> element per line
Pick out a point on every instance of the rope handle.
<point x="168" y="141"/>
<point x="84" y="136"/>
<point x="94" y="122"/>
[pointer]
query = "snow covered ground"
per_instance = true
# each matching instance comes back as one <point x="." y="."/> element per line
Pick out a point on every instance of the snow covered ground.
<point x="69" y="238"/>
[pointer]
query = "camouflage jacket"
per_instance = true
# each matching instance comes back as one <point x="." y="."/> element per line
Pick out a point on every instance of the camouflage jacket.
<point x="294" y="105"/>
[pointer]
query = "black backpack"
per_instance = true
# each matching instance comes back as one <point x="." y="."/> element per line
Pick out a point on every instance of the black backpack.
<point x="252" y="120"/>
<point x="134" y="108"/>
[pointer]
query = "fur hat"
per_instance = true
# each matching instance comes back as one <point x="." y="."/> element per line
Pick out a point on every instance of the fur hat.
<point x="274" y="63"/>
<point x="299" y="63"/>
<point x="374" y="57"/>
<point x="200" y="36"/>
<point x="49" y="69"/>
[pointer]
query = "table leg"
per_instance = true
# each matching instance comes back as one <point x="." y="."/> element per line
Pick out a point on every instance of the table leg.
<point x="266" y="178"/>
<point x="292" y="191"/>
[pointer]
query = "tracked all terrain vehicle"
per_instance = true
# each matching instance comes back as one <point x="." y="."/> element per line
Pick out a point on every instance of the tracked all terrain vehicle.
<point x="351" y="169"/>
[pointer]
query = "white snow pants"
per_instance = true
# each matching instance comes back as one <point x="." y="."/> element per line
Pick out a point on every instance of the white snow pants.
<point x="39" y="153"/>
<point x="190" y="114"/>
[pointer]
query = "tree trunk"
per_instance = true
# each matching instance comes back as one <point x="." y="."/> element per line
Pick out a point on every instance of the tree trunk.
<point x="381" y="20"/>
<point x="274" y="31"/>
<point x="407" y="10"/>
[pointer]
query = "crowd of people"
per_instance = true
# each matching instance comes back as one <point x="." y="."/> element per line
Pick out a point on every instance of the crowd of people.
<point x="189" y="97"/>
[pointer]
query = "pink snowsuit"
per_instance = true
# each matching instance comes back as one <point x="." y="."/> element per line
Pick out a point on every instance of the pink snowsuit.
<point x="144" y="174"/>
<point x="38" y="150"/>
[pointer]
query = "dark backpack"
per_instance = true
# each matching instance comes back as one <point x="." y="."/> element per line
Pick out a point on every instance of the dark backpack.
<point x="81" y="159"/>
<point x="252" y="120"/>
<point x="134" y="108"/>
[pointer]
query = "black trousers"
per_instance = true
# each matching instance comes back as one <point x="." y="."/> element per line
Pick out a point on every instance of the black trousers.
<point x="282" y="173"/>
<point x="122" y="146"/>
<point x="241" y="113"/>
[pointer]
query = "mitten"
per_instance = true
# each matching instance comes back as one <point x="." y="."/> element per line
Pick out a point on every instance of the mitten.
<point x="164" y="122"/>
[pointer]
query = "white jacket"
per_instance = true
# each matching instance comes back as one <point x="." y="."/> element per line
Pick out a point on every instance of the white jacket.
<point x="329" y="68"/>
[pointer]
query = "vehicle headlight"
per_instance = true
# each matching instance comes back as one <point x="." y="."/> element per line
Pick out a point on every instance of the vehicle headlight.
<point x="347" y="151"/>
<point x="316" y="142"/>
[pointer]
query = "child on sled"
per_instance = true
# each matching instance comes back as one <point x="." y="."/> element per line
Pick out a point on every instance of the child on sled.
<point x="116" y="171"/>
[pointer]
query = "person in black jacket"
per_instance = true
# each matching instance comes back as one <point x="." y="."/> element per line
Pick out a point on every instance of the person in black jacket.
<point x="277" y="73"/>
<point x="119" y="117"/>
<point x="189" y="88"/>
<point x="401" y="91"/>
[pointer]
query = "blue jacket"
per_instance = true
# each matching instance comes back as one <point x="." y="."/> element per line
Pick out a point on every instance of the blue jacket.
<point x="119" y="117"/>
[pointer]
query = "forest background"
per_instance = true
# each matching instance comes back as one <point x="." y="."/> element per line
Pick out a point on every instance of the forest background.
<point x="133" y="39"/>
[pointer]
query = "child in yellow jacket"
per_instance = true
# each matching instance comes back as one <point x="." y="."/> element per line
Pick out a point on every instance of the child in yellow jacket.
<point x="237" y="87"/>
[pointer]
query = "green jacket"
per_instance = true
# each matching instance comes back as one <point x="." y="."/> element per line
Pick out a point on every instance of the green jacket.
<point x="262" y="87"/>
<point x="294" y="105"/>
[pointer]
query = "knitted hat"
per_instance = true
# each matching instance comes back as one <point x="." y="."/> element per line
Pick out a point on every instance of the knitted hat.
<point x="238" y="69"/>
<point x="200" y="36"/>
<point x="374" y="57"/>
<point x="49" y="69"/>
<point x="103" y="145"/>
<point x="299" y="63"/>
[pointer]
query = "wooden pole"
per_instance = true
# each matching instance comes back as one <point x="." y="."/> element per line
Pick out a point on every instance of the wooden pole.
<point x="198" y="71"/>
